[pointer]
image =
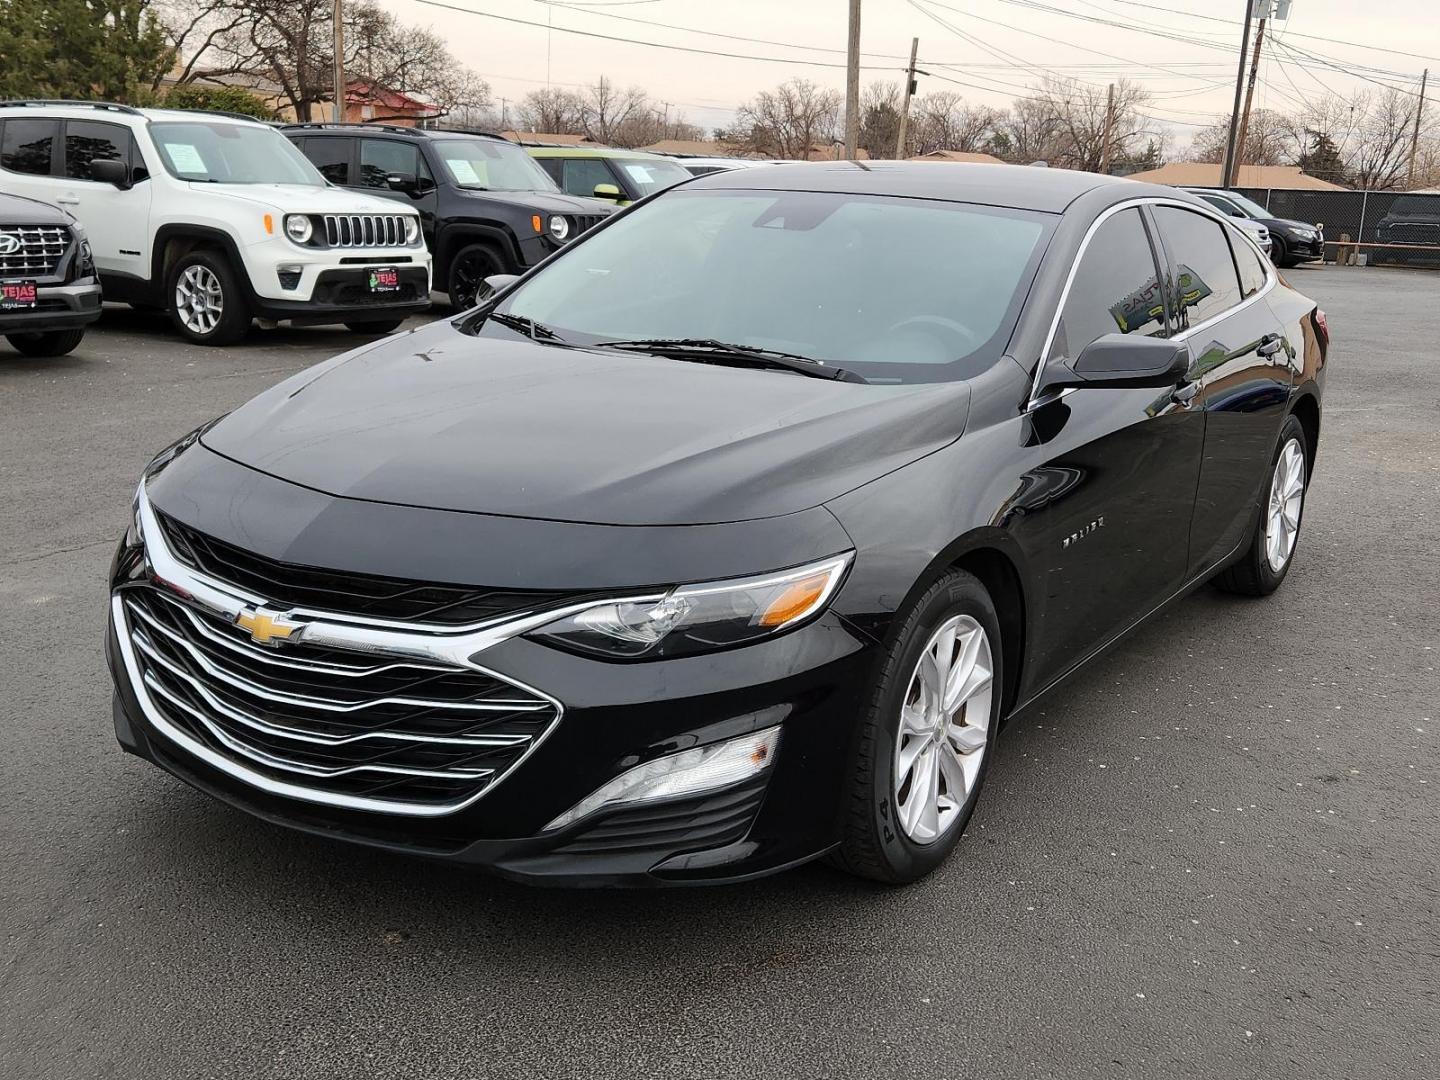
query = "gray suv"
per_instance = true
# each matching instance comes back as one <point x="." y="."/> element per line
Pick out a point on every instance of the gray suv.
<point x="48" y="289"/>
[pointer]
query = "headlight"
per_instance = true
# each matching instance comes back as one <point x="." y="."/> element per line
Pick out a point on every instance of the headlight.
<point x="412" y="230"/>
<point x="697" y="618"/>
<point x="298" y="228"/>
<point x="559" y="228"/>
<point x="135" y="534"/>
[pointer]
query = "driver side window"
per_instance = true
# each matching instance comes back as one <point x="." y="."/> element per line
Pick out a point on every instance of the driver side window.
<point x="1116" y="288"/>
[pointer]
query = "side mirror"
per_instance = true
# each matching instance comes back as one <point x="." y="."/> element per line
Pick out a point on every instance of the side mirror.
<point x="608" y="191"/>
<point x="110" y="171"/>
<point x="493" y="284"/>
<point x="1121" y="360"/>
<point x="404" y="182"/>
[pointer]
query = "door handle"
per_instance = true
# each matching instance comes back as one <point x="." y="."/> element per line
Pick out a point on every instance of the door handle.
<point x="1270" y="344"/>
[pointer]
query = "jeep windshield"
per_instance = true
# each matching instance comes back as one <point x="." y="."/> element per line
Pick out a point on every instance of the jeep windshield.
<point x="491" y="165"/>
<point x="222" y="153"/>
<point x="896" y="290"/>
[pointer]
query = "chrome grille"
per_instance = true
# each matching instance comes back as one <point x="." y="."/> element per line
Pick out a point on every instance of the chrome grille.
<point x="336" y="722"/>
<point x="41" y="249"/>
<point x="365" y="230"/>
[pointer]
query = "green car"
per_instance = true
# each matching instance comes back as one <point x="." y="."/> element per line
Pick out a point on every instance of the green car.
<point x="604" y="173"/>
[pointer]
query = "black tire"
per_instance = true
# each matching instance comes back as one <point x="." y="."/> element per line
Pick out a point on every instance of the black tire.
<point x="468" y="270"/>
<point x="380" y="326"/>
<point x="874" y="845"/>
<point x="1252" y="574"/>
<point x="1279" y="253"/>
<point x="46" y="342"/>
<point x="234" y="318"/>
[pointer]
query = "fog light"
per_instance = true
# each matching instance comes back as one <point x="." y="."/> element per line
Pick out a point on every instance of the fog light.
<point x="689" y="772"/>
<point x="289" y="276"/>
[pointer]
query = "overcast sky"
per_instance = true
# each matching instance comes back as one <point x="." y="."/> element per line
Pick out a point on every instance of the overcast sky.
<point x="1010" y="43"/>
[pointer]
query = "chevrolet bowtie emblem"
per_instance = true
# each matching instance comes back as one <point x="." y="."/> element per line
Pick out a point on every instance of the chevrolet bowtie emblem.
<point x="267" y="627"/>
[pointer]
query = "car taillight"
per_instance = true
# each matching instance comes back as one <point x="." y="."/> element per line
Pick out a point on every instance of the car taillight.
<point x="1323" y="326"/>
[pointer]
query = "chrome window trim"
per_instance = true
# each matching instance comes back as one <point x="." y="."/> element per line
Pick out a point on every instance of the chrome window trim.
<point x="1204" y="210"/>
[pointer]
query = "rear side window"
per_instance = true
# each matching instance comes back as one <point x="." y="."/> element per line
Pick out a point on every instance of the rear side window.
<point x="1252" y="273"/>
<point x="1206" y="283"/>
<point x="583" y="174"/>
<point x="87" y="141"/>
<point x="26" y="146"/>
<point x="1116" y="288"/>
<point x="1225" y="206"/>
<point x="331" y="157"/>
<point x="380" y="158"/>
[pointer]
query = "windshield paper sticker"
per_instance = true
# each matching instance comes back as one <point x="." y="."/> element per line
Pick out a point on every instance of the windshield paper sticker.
<point x="185" y="158"/>
<point x="463" y="171"/>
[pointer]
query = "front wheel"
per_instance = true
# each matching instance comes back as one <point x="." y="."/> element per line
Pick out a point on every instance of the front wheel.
<point x="207" y="304"/>
<point x="922" y="750"/>
<point x="468" y="271"/>
<point x="1266" y="561"/>
<point x="46" y="342"/>
<point x="1279" y="253"/>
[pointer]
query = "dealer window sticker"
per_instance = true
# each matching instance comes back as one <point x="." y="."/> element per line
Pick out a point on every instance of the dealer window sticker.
<point x="640" y="174"/>
<point x="186" y="158"/>
<point x="463" y="171"/>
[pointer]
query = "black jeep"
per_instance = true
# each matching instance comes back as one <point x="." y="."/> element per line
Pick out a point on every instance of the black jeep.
<point x="1414" y="221"/>
<point x="48" y="288"/>
<point x="487" y="207"/>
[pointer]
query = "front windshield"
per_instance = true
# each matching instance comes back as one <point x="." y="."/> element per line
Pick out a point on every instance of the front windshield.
<point x="491" y="165"/>
<point x="895" y="290"/>
<point x="649" y="175"/>
<point x="1250" y="206"/>
<point x="225" y="153"/>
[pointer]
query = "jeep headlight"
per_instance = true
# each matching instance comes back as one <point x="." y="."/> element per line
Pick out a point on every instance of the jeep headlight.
<point x="560" y="228"/>
<point x="412" y="230"/>
<point x="698" y="618"/>
<point x="298" y="228"/>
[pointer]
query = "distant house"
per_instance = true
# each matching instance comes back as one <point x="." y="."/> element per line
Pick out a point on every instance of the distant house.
<point x="694" y="148"/>
<point x="1207" y="174"/>
<point x="367" y="101"/>
<point x="958" y="155"/>
<point x="834" y="152"/>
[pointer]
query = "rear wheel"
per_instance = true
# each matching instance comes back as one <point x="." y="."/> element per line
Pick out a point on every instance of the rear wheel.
<point x="468" y="271"/>
<point x="207" y="304"/>
<point x="922" y="750"/>
<point x="46" y="342"/>
<point x="382" y="326"/>
<point x="1266" y="561"/>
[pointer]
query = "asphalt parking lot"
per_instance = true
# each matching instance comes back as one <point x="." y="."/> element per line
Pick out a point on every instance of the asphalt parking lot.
<point x="1212" y="854"/>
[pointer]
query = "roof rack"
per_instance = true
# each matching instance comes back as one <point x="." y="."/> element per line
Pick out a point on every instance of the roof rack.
<point x="104" y="105"/>
<point x="469" y="131"/>
<point x="394" y="129"/>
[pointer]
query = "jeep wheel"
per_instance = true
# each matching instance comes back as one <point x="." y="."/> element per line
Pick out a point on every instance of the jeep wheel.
<point x="46" y="342"/>
<point x="207" y="304"/>
<point x="468" y="271"/>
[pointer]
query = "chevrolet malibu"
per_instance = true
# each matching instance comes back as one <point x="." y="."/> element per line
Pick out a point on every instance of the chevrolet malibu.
<point x="727" y="538"/>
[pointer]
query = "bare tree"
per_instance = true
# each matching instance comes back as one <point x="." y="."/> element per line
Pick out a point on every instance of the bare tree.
<point x="1079" y="112"/>
<point x="1272" y="138"/>
<point x="787" y="121"/>
<point x="945" y="121"/>
<point x="558" y="112"/>
<point x="1028" y="132"/>
<point x="607" y="112"/>
<point x="1379" y="155"/>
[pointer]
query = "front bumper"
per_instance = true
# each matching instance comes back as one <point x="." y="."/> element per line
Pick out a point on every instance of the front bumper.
<point x="341" y="295"/>
<point x="1305" y="250"/>
<point x="58" y="307"/>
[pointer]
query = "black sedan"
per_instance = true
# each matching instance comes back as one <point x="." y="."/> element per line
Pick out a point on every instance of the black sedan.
<point x="727" y="538"/>
<point x="1291" y="242"/>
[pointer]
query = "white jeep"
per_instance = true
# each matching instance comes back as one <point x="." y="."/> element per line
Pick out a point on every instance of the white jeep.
<point x="216" y="218"/>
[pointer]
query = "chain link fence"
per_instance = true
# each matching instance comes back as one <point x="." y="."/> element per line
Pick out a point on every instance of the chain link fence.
<point x="1386" y="227"/>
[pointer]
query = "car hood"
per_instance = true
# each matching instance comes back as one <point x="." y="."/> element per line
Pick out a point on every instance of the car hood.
<point x="550" y="202"/>
<point x="19" y="210"/>
<point x="304" y="198"/>
<point x="440" y="419"/>
<point x="1287" y="223"/>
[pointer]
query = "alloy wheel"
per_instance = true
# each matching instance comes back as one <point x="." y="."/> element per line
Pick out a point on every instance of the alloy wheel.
<point x="469" y="276"/>
<point x="199" y="299"/>
<point x="1282" y="517"/>
<point x="944" y="728"/>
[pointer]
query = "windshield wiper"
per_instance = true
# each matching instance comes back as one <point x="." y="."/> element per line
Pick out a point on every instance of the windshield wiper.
<point x="536" y="331"/>
<point x="708" y="350"/>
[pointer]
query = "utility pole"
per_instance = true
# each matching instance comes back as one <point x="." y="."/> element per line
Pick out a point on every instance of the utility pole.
<point x="339" y="46"/>
<point x="852" y="85"/>
<point x="1415" y="135"/>
<point x="905" y="108"/>
<point x="1238" y="158"/>
<point x="1109" y="130"/>
<point x="1229" y="164"/>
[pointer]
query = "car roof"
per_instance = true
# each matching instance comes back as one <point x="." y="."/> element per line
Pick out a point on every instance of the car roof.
<point x="323" y="129"/>
<point x="1024" y="187"/>
<point x="593" y="152"/>
<point x="117" y="114"/>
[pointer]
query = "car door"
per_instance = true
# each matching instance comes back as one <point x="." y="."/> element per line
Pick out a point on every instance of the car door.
<point x="384" y="157"/>
<point x="1106" y="508"/>
<point x="332" y="155"/>
<point x="29" y="148"/>
<point x="117" y="220"/>
<point x="1240" y="370"/>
